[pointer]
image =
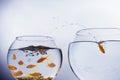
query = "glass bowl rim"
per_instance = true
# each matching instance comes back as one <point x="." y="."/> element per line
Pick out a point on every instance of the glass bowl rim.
<point x="34" y="38"/>
<point x="88" y="29"/>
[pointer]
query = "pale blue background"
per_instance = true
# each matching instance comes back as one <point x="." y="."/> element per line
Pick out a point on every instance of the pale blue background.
<point x="57" y="18"/>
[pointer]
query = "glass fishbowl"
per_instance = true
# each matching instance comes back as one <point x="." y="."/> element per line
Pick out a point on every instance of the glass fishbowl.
<point x="95" y="54"/>
<point x="34" y="58"/>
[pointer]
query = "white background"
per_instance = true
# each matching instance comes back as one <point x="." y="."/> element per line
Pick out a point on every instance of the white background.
<point x="57" y="18"/>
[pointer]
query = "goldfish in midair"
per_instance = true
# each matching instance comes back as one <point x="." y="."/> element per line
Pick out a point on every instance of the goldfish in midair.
<point x="42" y="59"/>
<point x="11" y="67"/>
<point x="101" y="48"/>
<point x="14" y="57"/>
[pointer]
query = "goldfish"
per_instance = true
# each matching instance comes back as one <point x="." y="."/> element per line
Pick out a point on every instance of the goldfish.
<point x="20" y="62"/>
<point x="101" y="48"/>
<point x="42" y="59"/>
<point x="14" y="57"/>
<point x="17" y="73"/>
<point x="51" y="65"/>
<point x="11" y="67"/>
<point x="31" y="66"/>
<point x="35" y="74"/>
<point x="42" y="51"/>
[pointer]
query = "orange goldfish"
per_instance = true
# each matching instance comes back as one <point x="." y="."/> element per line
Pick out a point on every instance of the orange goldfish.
<point x="20" y="62"/>
<point x="11" y="67"/>
<point x="51" y="65"/>
<point x="31" y="66"/>
<point x="35" y="74"/>
<point x="14" y="57"/>
<point x="17" y="73"/>
<point x="42" y="51"/>
<point x="101" y="48"/>
<point x="42" y="59"/>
